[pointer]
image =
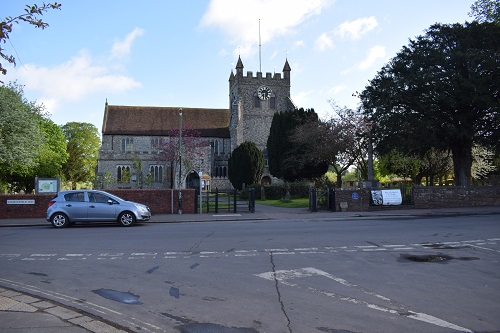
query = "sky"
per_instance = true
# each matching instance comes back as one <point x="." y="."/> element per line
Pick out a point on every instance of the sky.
<point x="181" y="53"/>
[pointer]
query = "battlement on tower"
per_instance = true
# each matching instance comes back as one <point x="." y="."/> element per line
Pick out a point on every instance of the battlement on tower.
<point x="276" y="76"/>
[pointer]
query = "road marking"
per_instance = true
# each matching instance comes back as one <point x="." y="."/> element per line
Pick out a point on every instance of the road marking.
<point x="483" y="248"/>
<point x="284" y="275"/>
<point x="477" y="243"/>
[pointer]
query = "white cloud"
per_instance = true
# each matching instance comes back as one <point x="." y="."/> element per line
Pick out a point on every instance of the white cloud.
<point x="324" y="42"/>
<point x="374" y="54"/>
<point x="337" y="89"/>
<point x="122" y="48"/>
<point x="80" y="77"/>
<point x="357" y="28"/>
<point x="299" y="43"/>
<point x="301" y="98"/>
<point x="239" y="20"/>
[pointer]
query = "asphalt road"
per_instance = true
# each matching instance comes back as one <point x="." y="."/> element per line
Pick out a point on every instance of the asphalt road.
<point x="316" y="275"/>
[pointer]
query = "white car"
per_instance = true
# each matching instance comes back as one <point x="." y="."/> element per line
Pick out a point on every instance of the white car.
<point x="68" y="207"/>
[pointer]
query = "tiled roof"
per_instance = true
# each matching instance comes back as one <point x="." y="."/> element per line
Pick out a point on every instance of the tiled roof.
<point x="152" y="120"/>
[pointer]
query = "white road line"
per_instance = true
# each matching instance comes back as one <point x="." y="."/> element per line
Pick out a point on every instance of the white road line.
<point x="284" y="275"/>
<point x="306" y="249"/>
<point x="484" y="248"/>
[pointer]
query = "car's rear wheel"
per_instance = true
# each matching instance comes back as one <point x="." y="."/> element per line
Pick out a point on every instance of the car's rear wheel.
<point x="59" y="220"/>
<point x="126" y="219"/>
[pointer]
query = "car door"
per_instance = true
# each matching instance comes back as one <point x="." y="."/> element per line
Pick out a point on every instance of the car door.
<point x="75" y="206"/>
<point x="100" y="208"/>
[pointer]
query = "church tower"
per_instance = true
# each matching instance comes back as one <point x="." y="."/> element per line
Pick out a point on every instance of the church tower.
<point x="253" y="100"/>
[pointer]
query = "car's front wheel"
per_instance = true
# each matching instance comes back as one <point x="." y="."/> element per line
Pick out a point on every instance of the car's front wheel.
<point x="59" y="220"/>
<point x="126" y="219"/>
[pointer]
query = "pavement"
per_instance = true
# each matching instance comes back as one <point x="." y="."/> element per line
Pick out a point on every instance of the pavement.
<point x="21" y="312"/>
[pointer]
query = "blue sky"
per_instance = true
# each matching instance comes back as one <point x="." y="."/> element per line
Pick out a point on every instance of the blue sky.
<point x="180" y="53"/>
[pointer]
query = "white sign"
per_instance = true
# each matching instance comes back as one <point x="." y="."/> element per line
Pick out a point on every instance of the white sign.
<point x="386" y="197"/>
<point x="20" y="202"/>
<point x="391" y="197"/>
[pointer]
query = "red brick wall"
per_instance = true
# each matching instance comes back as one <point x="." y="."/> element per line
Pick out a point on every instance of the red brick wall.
<point x="159" y="201"/>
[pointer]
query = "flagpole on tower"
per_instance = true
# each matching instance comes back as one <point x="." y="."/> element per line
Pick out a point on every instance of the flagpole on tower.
<point x="260" y="47"/>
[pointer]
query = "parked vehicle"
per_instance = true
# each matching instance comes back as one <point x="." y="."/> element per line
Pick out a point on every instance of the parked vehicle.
<point x="68" y="207"/>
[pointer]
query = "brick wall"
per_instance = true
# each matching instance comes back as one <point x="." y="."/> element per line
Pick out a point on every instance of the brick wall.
<point x="357" y="200"/>
<point x="26" y="210"/>
<point x="454" y="196"/>
<point x="159" y="201"/>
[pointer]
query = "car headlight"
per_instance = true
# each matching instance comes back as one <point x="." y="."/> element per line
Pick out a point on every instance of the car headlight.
<point x="142" y="208"/>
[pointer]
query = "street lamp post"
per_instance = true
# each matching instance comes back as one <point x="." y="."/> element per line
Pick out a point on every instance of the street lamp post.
<point x="180" y="163"/>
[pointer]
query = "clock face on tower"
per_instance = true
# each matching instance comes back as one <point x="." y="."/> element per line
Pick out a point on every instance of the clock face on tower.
<point x="264" y="92"/>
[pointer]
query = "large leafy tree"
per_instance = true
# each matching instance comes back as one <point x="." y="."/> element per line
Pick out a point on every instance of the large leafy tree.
<point x="20" y="135"/>
<point x="441" y="91"/>
<point x="53" y="152"/>
<point x="245" y="165"/>
<point x="30" y="143"/>
<point x="31" y="16"/>
<point x="286" y="158"/>
<point x="486" y="10"/>
<point x="83" y="146"/>
<point x="338" y="142"/>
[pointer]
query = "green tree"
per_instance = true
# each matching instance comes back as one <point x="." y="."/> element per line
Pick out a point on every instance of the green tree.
<point x="440" y="91"/>
<point x="245" y="165"/>
<point x="83" y="146"/>
<point x="31" y="16"/>
<point x="20" y="135"/>
<point x="486" y="10"/>
<point x="53" y="152"/>
<point x="287" y="158"/>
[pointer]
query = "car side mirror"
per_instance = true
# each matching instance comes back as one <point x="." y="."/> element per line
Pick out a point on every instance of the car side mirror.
<point x="110" y="201"/>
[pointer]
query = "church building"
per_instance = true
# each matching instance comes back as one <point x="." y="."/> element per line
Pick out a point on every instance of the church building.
<point x="134" y="136"/>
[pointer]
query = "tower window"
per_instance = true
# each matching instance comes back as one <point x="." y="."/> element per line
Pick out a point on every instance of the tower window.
<point x="272" y="102"/>
<point x="256" y="101"/>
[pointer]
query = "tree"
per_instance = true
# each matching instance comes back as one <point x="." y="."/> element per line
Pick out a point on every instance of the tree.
<point x="31" y="16"/>
<point x="339" y="141"/>
<point x="20" y="135"/>
<point x="53" y="152"/>
<point x="441" y="91"/>
<point x="83" y="146"/>
<point x="245" y="165"/>
<point x="483" y="163"/>
<point x="192" y="148"/>
<point x="285" y="156"/>
<point x="486" y="10"/>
